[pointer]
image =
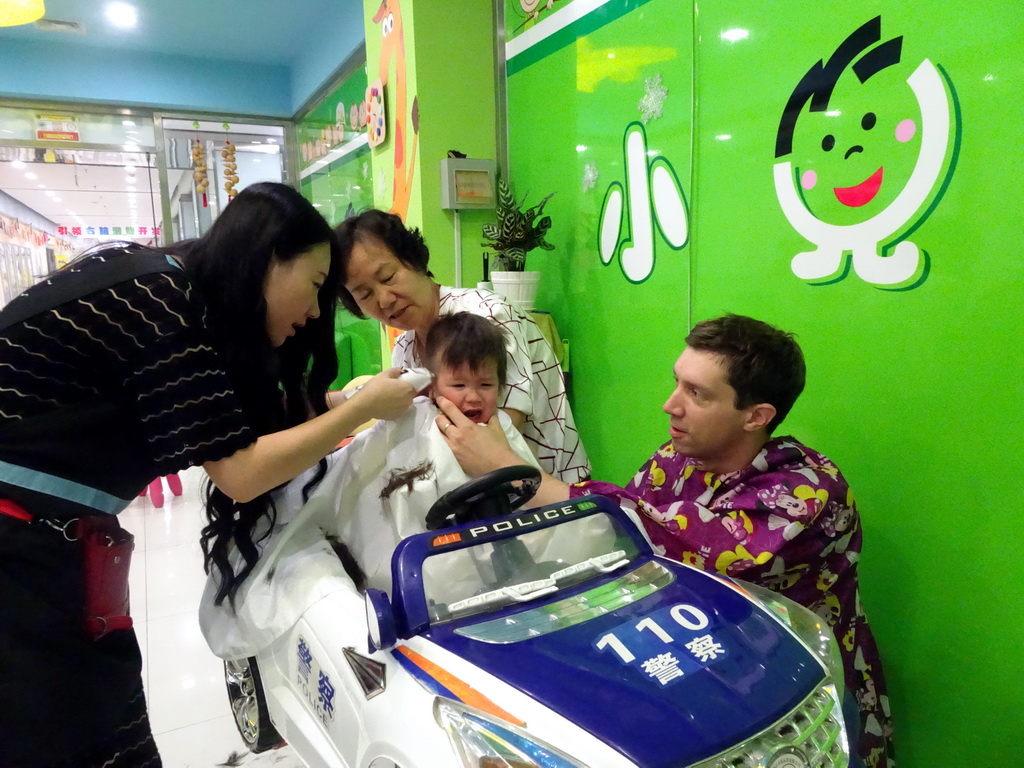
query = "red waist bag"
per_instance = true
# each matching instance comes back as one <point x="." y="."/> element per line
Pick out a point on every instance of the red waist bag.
<point x="106" y="557"/>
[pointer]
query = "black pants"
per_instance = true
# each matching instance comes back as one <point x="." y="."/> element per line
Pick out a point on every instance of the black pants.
<point x="64" y="698"/>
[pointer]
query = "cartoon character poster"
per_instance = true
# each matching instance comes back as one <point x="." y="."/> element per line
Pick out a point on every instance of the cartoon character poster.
<point x="402" y="110"/>
<point x="863" y="146"/>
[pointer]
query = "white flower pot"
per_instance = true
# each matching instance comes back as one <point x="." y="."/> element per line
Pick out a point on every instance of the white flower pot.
<point x="518" y="288"/>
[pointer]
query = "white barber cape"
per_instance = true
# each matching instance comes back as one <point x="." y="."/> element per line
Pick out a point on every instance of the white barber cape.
<point x="298" y="567"/>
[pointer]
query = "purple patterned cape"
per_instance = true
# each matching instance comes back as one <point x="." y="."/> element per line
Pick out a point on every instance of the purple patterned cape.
<point x="788" y="522"/>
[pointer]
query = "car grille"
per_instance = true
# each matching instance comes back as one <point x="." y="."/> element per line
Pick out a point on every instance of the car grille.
<point x="811" y="736"/>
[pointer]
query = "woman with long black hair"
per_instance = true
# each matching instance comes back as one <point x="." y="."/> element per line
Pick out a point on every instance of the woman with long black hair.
<point x="128" y="364"/>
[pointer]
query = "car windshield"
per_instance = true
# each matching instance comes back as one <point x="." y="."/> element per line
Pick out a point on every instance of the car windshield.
<point x="523" y="568"/>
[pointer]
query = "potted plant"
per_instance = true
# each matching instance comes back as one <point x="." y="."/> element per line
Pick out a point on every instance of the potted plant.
<point x="517" y="232"/>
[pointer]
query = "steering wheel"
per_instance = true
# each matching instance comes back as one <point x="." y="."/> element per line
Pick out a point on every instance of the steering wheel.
<point x="495" y="494"/>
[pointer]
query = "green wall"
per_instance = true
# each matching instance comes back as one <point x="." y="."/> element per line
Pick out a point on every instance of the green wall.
<point x="914" y="388"/>
<point x="456" y="85"/>
<point x="453" y="88"/>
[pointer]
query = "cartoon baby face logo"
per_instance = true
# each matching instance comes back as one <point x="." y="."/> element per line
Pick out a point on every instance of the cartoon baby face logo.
<point x="861" y="158"/>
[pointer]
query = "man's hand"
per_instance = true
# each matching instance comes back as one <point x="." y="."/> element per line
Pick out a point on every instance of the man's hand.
<point x="478" y="448"/>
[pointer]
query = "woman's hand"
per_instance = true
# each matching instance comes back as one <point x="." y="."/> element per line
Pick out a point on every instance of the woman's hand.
<point x="479" y="448"/>
<point x="384" y="396"/>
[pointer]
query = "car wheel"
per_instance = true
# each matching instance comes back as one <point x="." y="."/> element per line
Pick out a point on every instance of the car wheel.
<point x="249" y="705"/>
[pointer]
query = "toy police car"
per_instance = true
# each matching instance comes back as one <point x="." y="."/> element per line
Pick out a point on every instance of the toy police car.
<point x="550" y="638"/>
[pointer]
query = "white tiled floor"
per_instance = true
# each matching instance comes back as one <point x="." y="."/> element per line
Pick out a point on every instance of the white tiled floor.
<point x="188" y="705"/>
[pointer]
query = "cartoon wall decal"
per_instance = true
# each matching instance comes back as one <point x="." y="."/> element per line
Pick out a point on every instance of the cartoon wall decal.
<point x="532" y="9"/>
<point x="376" y="120"/>
<point x="862" y="175"/>
<point x="389" y="16"/>
<point x="652" y="193"/>
<point x="653" y="101"/>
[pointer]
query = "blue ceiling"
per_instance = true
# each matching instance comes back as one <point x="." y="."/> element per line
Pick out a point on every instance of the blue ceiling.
<point x="288" y="46"/>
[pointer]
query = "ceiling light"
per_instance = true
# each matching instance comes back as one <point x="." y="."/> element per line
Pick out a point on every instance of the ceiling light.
<point x="127" y="122"/>
<point x="130" y="168"/>
<point x="121" y="15"/>
<point x="131" y="189"/>
<point x="15" y="12"/>
<point x="17" y="164"/>
<point x="131" y="147"/>
<point x="30" y="176"/>
<point x="50" y="193"/>
<point x="56" y="199"/>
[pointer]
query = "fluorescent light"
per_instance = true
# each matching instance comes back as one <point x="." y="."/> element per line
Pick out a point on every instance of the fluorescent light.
<point x="31" y="176"/>
<point x="121" y="15"/>
<point x="17" y="164"/>
<point x="127" y="122"/>
<point x="50" y="193"/>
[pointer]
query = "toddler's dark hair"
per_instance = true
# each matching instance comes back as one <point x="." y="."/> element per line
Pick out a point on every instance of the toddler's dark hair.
<point x="466" y="338"/>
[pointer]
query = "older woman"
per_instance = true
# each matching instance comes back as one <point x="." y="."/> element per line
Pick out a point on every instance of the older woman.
<point x="385" y="276"/>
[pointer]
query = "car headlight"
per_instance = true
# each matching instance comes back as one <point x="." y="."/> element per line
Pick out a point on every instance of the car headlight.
<point x="482" y="741"/>
<point x="809" y="627"/>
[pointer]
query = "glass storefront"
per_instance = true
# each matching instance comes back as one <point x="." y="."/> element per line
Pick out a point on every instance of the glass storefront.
<point x="72" y="177"/>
